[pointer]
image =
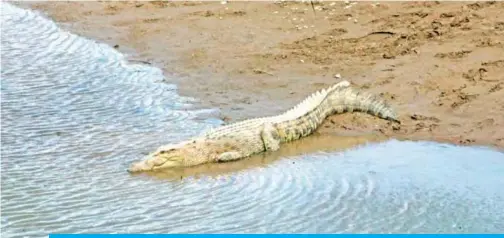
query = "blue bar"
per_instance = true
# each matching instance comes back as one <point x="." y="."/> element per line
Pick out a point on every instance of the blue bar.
<point x="266" y="235"/>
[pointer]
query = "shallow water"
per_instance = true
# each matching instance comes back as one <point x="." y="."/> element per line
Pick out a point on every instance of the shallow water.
<point x="75" y="115"/>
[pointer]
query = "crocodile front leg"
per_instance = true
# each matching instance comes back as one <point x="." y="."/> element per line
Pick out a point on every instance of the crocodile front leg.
<point x="270" y="137"/>
<point x="229" y="156"/>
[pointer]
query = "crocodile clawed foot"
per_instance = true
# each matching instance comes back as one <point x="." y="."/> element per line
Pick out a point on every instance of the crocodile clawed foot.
<point x="229" y="156"/>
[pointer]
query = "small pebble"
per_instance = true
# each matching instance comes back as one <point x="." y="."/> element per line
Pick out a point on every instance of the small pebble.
<point x="338" y="76"/>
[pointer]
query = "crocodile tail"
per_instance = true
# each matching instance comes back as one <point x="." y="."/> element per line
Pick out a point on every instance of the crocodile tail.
<point x="352" y="99"/>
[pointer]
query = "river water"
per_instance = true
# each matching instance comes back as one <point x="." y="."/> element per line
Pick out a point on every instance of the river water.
<point x="75" y="114"/>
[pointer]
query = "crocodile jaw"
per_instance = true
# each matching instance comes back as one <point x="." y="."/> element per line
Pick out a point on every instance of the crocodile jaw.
<point x="152" y="163"/>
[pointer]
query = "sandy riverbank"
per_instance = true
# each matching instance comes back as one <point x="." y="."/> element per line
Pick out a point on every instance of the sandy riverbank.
<point x="440" y="64"/>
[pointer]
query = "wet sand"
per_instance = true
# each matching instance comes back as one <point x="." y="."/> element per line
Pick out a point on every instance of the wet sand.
<point x="441" y="65"/>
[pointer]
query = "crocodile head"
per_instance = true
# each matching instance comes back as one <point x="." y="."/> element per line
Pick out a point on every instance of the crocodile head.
<point x="170" y="156"/>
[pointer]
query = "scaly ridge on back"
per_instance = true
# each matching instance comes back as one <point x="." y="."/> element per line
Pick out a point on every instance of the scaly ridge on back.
<point x="300" y="109"/>
<point x="311" y="102"/>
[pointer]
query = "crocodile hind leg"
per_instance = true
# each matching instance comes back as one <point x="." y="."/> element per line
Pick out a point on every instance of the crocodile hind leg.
<point x="270" y="137"/>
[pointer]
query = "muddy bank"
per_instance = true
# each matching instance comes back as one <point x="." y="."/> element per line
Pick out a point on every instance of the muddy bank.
<point x="440" y="64"/>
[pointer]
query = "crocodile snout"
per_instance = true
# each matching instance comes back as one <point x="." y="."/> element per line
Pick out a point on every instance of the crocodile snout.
<point x="138" y="167"/>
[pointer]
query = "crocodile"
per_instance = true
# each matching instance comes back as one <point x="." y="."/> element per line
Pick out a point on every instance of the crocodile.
<point x="242" y="139"/>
